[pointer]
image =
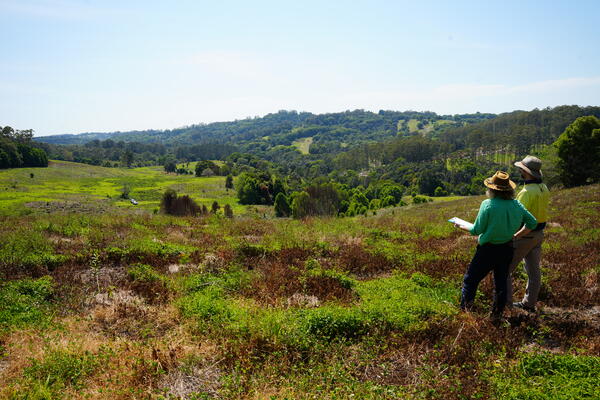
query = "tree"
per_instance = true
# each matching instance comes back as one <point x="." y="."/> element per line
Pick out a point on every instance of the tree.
<point x="202" y="166"/>
<point x="206" y="172"/>
<point x="228" y="211"/>
<point x="579" y="152"/>
<point x="301" y="205"/>
<point x="170" y="165"/>
<point x="282" y="206"/>
<point x="229" y="182"/>
<point x="127" y="158"/>
<point x="215" y="207"/>
<point x="439" y="191"/>
<point x="125" y="191"/>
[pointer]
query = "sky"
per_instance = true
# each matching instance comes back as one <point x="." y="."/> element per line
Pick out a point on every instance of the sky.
<point x="72" y="66"/>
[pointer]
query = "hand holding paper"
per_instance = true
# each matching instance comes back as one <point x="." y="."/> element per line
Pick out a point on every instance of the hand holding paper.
<point x="462" y="223"/>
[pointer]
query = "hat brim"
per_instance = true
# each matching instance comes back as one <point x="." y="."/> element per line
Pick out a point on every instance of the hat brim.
<point x="535" y="174"/>
<point x="511" y="185"/>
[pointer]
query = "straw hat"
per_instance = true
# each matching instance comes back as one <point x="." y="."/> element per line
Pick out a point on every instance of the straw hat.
<point x="500" y="181"/>
<point x="532" y="165"/>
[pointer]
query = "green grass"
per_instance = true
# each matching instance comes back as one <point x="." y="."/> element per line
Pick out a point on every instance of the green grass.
<point x="101" y="187"/>
<point x="25" y="303"/>
<point x="391" y="328"/>
<point x="303" y="144"/>
<point x="396" y="303"/>
<point x="412" y="125"/>
<point x="546" y="375"/>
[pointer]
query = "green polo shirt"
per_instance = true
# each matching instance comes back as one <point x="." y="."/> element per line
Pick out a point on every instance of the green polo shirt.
<point x="499" y="219"/>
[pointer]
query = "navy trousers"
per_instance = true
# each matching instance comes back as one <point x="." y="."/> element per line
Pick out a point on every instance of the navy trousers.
<point x="488" y="257"/>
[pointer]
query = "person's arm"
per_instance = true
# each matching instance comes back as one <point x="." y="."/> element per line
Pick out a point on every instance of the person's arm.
<point x="480" y="222"/>
<point x="522" y="232"/>
<point x="529" y="222"/>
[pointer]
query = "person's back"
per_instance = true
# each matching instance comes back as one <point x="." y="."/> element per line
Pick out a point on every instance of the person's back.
<point x="498" y="220"/>
<point x="535" y="196"/>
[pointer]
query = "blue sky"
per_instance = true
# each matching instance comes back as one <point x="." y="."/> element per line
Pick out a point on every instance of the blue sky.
<point x="91" y="66"/>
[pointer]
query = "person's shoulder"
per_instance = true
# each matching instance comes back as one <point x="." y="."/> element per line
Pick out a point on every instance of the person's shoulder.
<point x="517" y="203"/>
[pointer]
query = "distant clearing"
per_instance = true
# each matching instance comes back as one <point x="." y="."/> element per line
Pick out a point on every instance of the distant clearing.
<point x="412" y="125"/>
<point x="303" y="144"/>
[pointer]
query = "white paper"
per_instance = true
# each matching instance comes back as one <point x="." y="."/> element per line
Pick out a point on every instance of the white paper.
<point x="461" y="222"/>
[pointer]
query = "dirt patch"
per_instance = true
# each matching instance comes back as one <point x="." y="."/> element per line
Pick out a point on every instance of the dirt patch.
<point x="184" y="382"/>
<point x="70" y="206"/>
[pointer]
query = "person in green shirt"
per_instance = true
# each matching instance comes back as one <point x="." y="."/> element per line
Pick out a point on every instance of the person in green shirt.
<point x="501" y="218"/>
<point x="535" y="196"/>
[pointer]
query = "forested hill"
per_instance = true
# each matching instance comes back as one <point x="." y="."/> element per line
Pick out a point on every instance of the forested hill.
<point x="285" y="127"/>
<point x="520" y="130"/>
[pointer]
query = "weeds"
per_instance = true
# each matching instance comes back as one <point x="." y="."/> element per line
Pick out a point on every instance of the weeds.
<point x="25" y="302"/>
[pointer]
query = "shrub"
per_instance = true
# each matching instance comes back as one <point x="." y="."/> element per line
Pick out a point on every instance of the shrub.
<point x="439" y="191"/>
<point x="228" y="211"/>
<point x="149" y="283"/>
<point x="282" y="206"/>
<point x="25" y="302"/>
<point x="144" y="273"/>
<point x="125" y="191"/>
<point x="327" y="323"/>
<point x="27" y="252"/>
<point x="179" y="205"/>
<point x="421" y="199"/>
<point x="60" y="369"/>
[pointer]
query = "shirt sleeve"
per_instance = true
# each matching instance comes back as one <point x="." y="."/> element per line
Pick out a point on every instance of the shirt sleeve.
<point x="481" y="221"/>
<point x="528" y="218"/>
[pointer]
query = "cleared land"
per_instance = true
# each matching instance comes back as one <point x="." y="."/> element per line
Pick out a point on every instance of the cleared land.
<point x="123" y="305"/>
<point x="89" y="187"/>
<point x="303" y="144"/>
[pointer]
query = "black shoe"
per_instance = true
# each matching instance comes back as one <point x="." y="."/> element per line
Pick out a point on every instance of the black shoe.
<point x="498" y="320"/>
<point x="522" y="306"/>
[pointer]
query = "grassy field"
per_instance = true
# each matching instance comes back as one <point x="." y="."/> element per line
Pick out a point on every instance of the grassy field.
<point x="72" y="185"/>
<point x="303" y="144"/>
<point x="121" y="305"/>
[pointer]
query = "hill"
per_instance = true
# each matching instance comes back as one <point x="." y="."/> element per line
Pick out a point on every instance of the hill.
<point x="120" y="305"/>
<point x="283" y="128"/>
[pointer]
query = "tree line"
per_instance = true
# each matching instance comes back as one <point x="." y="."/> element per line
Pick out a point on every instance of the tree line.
<point x="17" y="149"/>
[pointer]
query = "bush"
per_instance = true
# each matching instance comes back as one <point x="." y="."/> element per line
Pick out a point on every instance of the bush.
<point x="421" y="199"/>
<point x="179" y="205"/>
<point x="27" y="252"/>
<point x="25" y="302"/>
<point x="327" y="323"/>
<point x="144" y="273"/>
<point x="149" y="283"/>
<point x="48" y="378"/>
<point x="439" y="191"/>
<point x="125" y="191"/>
<point x="282" y="206"/>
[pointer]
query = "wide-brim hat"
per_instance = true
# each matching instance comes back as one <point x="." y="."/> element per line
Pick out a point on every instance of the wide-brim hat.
<point x="532" y="165"/>
<point x="500" y="181"/>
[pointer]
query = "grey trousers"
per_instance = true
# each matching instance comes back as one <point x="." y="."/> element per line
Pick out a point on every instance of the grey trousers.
<point x="529" y="248"/>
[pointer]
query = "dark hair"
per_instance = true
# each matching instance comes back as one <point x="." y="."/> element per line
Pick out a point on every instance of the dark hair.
<point x="503" y="194"/>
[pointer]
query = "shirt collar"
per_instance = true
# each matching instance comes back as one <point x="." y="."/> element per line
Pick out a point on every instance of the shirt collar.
<point x="528" y="181"/>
